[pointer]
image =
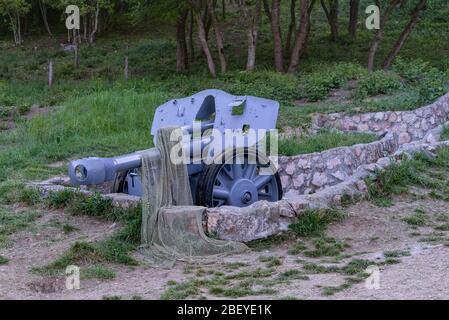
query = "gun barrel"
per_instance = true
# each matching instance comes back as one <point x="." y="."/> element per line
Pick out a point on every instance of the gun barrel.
<point x="92" y="171"/>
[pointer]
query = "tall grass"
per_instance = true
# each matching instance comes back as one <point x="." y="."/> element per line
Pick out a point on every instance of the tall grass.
<point x="106" y="123"/>
<point x="324" y="140"/>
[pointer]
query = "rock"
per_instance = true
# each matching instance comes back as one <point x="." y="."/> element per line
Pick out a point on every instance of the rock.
<point x="319" y="179"/>
<point x="404" y="138"/>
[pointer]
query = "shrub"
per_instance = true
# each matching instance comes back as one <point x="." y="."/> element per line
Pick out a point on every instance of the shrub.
<point x="375" y="83"/>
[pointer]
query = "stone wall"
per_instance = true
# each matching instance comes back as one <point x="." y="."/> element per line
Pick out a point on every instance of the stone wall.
<point x="408" y="125"/>
<point x="309" y="173"/>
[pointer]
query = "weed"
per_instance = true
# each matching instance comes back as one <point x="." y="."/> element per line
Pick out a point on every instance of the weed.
<point x="419" y="218"/>
<point x="327" y="247"/>
<point x="3" y="260"/>
<point x="314" y="222"/>
<point x="97" y="272"/>
<point x="271" y="261"/>
<point x="396" y="253"/>
<point x="292" y="274"/>
<point x="297" y="248"/>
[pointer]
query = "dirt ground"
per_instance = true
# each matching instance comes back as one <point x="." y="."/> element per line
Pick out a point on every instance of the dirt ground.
<point x="369" y="230"/>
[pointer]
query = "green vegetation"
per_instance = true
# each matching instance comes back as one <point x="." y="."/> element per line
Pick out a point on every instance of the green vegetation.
<point x="12" y="221"/>
<point x="314" y="222"/>
<point x="419" y="218"/>
<point x="3" y="260"/>
<point x="271" y="261"/>
<point x="97" y="272"/>
<point x="419" y="171"/>
<point x="324" y="140"/>
<point x="396" y="253"/>
<point x="326" y="247"/>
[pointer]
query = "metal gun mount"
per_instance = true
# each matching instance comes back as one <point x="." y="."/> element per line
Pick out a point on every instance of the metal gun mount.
<point x="212" y="185"/>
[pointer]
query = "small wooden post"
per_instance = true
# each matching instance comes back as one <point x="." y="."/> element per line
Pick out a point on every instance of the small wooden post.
<point x="50" y="73"/>
<point x="126" y="65"/>
<point x="77" y="57"/>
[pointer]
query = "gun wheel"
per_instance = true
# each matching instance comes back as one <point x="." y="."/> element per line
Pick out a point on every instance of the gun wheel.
<point x="237" y="185"/>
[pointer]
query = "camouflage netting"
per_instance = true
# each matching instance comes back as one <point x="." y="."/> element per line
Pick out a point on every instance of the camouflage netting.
<point x="172" y="228"/>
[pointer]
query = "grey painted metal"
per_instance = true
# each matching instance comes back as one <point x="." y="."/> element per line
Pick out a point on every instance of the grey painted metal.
<point x="211" y="109"/>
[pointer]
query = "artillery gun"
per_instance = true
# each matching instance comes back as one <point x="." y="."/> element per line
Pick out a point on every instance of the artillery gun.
<point x="237" y="184"/>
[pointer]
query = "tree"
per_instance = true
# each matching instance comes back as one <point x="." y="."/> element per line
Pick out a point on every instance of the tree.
<point x="182" y="56"/>
<point x="197" y="9"/>
<point x="218" y="34"/>
<point x="331" y="10"/>
<point x="353" y="18"/>
<point x="250" y="17"/>
<point x="379" y="33"/>
<point x="277" y="37"/>
<point x="43" y="9"/>
<point x="301" y="35"/>
<point x="13" y="11"/>
<point x="415" y="17"/>
<point x="292" y="26"/>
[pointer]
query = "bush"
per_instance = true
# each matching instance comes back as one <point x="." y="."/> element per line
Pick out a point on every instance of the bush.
<point x="318" y="85"/>
<point x="375" y="83"/>
<point x="428" y="81"/>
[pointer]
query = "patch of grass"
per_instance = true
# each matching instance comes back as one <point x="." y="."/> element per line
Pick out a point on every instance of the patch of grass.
<point x="270" y="242"/>
<point x="396" y="253"/>
<point x="354" y="267"/>
<point x="292" y="274"/>
<point x="390" y="261"/>
<point x="97" y="272"/>
<point x="433" y="238"/>
<point x="297" y="248"/>
<point x="87" y="254"/>
<point x="443" y="227"/>
<point x="400" y="175"/>
<point x="315" y="222"/>
<point x="30" y="196"/>
<point x="326" y="247"/>
<point x="180" y="291"/>
<point x="253" y="274"/>
<point x="68" y="228"/>
<point x="112" y="297"/>
<point x="3" y="260"/>
<point x="445" y="133"/>
<point x="324" y="140"/>
<point x="271" y="261"/>
<point x="349" y="282"/>
<point x="419" y="218"/>
<point x="12" y="221"/>
<point x="235" y="265"/>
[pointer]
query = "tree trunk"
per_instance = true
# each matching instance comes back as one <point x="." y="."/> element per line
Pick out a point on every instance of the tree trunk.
<point x="95" y="23"/>
<point x="332" y="17"/>
<point x="223" y="9"/>
<point x="379" y="33"/>
<point x="353" y="18"/>
<point x="292" y="27"/>
<point x="182" y="60"/>
<point x="415" y="17"/>
<point x="191" y="45"/>
<point x="205" y="44"/>
<point x="277" y="36"/>
<point x="218" y="36"/>
<point x="43" y="9"/>
<point x="251" y="17"/>
<point x="266" y="9"/>
<point x="301" y="36"/>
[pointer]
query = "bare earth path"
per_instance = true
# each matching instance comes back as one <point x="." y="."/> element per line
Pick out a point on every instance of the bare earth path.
<point x="423" y="273"/>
